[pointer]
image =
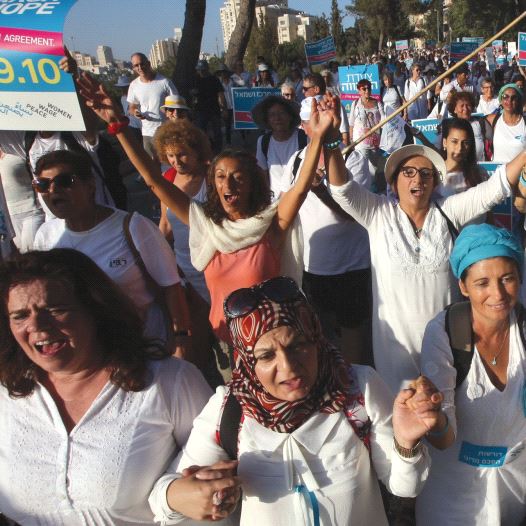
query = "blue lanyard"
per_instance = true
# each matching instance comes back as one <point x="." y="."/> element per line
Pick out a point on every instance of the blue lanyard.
<point x="300" y="488"/>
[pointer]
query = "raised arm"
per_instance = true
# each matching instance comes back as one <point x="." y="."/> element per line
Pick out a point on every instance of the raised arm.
<point x="324" y="123"/>
<point x="102" y="105"/>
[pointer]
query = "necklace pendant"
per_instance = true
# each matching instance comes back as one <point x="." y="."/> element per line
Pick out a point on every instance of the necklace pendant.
<point x="494" y="361"/>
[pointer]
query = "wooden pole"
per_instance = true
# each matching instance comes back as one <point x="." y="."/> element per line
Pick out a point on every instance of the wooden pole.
<point x="434" y="83"/>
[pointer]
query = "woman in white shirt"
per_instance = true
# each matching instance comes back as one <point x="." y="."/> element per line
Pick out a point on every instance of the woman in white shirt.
<point x="314" y="436"/>
<point x="488" y="103"/>
<point x="91" y="412"/>
<point x="479" y="464"/>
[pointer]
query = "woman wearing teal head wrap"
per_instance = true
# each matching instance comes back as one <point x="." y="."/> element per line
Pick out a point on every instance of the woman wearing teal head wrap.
<point x="483" y="381"/>
<point x="509" y="127"/>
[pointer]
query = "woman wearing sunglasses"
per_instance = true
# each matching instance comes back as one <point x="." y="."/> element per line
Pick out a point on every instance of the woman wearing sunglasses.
<point x="129" y="248"/>
<point x="411" y="239"/>
<point x="509" y="127"/>
<point x="237" y="237"/>
<point x="313" y="435"/>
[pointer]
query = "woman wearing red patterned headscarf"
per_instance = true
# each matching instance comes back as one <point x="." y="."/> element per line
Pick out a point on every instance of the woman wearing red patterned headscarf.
<point x="311" y="435"/>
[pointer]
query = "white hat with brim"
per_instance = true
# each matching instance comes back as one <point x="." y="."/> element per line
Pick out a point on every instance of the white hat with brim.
<point x="122" y="82"/>
<point x="175" y="103"/>
<point x="411" y="150"/>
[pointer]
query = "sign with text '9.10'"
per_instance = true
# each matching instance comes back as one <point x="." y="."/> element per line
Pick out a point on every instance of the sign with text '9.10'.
<point x="35" y="94"/>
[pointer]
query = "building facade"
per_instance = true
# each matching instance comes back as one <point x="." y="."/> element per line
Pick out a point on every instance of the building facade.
<point x="162" y="50"/>
<point x="104" y="55"/>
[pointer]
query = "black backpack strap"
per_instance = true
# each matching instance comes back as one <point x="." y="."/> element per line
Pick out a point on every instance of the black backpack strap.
<point x="302" y="139"/>
<point x="520" y="313"/>
<point x="265" y="142"/>
<point x="296" y="166"/>
<point x="461" y="338"/>
<point x="229" y="421"/>
<point x="453" y="230"/>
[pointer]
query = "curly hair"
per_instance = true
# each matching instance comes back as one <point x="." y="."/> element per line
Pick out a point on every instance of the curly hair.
<point x="457" y="96"/>
<point x="182" y="132"/>
<point x="117" y="323"/>
<point x="260" y="194"/>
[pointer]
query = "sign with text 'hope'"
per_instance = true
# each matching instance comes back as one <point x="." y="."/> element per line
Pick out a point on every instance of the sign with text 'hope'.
<point x="35" y="93"/>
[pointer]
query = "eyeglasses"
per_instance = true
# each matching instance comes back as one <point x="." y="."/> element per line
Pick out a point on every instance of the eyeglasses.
<point x="243" y="301"/>
<point x="305" y="88"/>
<point x="287" y="95"/>
<point x="62" y="180"/>
<point x="510" y="97"/>
<point x="411" y="171"/>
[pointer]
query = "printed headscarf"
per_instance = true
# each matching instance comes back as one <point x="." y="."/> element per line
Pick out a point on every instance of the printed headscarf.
<point x="328" y="394"/>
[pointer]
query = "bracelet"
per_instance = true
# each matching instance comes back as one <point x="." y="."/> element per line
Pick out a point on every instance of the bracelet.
<point x="182" y="332"/>
<point x="332" y="145"/>
<point x="116" y="127"/>
<point x="438" y="434"/>
<point x="405" y="452"/>
<point x="522" y="180"/>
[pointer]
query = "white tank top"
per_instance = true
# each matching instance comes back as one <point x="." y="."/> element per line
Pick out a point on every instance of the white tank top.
<point x="508" y="141"/>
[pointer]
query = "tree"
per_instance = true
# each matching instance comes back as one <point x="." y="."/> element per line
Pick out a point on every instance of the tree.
<point x="167" y="68"/>
<point x="287" y="53"/>
<point x="320" y="28"/>
<point x="190" y="45"/>
<point x="263" y="41"/>
<point x="336" y="27"/>
<point x="241" y="35"/>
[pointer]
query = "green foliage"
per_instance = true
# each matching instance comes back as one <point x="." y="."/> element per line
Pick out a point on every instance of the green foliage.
<point x="321" y="28"/>
<point x="263" y="41"/>
<point x="337" y="28"/>
<point x="167" y="68"/>
<point x="287" y="53"/>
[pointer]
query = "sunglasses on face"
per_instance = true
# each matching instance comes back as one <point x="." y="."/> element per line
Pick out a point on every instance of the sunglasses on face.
<point x="510" y="97"/>
<point x="63" y="180"/>
<point x="305" y="88"/>
<point x="243" y="301"/>
<point x="365" y="89"/>
<point x="411" y="171"/>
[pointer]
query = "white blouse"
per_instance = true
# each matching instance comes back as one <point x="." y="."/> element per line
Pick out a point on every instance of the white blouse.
<point x="102" y="471"/>
<point x="411" y="278"/>
<point x="324" y="457"/>
<point x="486" y="421"/>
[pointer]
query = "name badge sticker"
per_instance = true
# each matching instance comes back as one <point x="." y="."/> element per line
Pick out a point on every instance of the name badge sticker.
<point x="482" y="456"/>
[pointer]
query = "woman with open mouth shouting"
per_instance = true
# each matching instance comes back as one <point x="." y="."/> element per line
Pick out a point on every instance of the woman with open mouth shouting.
<point x="411" y="239"/>
<point x="237" y="236"/>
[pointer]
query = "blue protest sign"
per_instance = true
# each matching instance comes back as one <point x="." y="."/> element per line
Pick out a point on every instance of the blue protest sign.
<point x="243" y="100"/>
<point x="400" y="45"/>
<point x="349" y="77"/>
<point x="473" y="40"/>
<point x="320" y="51"/>
<point x="521" y="44"/>
<point x="459" y="50"/>
<point x="429" y="128"/>
<point x="36" y="93"/>
<point x="503" y="212"/>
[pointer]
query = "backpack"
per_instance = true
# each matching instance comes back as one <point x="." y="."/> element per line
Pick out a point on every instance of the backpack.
<point x="109" y="162"/>
<point x="461" y="338"/>
<point x="265" y="141"/>
<point x="230" y="420"/>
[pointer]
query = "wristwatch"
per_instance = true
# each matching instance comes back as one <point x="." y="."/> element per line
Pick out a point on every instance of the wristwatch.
<point x="405" y="452"/>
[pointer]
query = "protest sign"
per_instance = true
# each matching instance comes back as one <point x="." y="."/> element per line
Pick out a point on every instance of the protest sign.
<point x="502" y="213"/>
<point x="473" y="40"/>
<point x="349" y="77"/>
<point x="521" y="44"/>
<point x="243" y="100"/>
<point x="400" y="45"/>
<point x="429" y="128"/>
<point x="320" y="51"/>
<point x="497" y="45"/>
<point x="35" y="93"/>
<point x="459" y="50"/>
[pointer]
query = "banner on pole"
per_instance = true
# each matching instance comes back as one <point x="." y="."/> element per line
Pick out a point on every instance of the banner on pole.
<point x="459" y="50"/>
<point x="320" y="51"/>
<point x="400" y="45"/>
<point x="521" y="44"/>
<point x="349" y="77"/>
<point x="243" y="100"/>
<point x="35" y="93"/>
<point x="503" y="212"/>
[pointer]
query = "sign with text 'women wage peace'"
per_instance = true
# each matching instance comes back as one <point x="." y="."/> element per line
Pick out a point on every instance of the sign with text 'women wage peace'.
<point x="35" y="93"/>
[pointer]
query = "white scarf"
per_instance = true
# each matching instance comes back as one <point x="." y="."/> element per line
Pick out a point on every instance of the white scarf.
<point x="206" y="238"/>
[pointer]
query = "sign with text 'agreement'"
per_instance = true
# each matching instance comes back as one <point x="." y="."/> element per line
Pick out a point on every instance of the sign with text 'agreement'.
<point x="35" y="94"/>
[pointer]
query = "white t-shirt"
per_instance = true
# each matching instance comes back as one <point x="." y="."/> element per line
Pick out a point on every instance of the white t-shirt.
<point x="391" y="98"/>
<point x="418" y="109"/>
<point x="411" y="278"/>
<point x="106" y="245"/>
<point x="103" y="470"/>
<point x="508" y="141"/>
<point x="482" y="417"/>
<point x="332" y="245"/>
<point x="279" y="154"/>
<point x="487" y="107"/>
<point x="324" y="455"/>
<point x="13" y="142"/>
<point x="149" y="96"/>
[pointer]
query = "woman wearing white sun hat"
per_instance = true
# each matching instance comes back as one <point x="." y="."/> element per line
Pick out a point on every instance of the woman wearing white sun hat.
<point x="411" y="239"/>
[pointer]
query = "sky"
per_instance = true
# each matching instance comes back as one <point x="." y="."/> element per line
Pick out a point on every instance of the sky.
<point x="133" y="25"/>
